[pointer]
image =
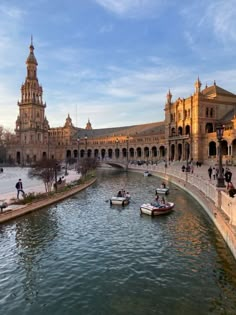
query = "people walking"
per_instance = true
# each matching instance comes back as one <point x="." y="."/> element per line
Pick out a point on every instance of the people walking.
<point x="210" y="172"/>
<point x="19" y="187"/>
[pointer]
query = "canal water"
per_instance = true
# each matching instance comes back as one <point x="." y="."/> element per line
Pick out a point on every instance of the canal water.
<point x="83" y="256"/>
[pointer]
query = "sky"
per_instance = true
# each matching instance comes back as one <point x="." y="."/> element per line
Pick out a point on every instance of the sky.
<point x="113" y="61"/>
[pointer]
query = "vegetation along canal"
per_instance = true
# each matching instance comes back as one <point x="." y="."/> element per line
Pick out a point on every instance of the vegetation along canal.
<point x="83" y="256"/>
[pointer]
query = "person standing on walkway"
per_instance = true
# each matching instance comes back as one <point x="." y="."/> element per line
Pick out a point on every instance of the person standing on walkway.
<point x="210" y="172"/>
<point x="19" y="187"/>
<point x="214" y="173"/>
<point x="228" y="176"/>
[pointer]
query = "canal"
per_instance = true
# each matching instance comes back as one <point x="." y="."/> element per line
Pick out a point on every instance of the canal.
<point x="84" y="257"/>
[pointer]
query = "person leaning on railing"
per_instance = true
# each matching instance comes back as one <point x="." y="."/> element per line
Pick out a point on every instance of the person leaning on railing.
<point x="231" y="189"/>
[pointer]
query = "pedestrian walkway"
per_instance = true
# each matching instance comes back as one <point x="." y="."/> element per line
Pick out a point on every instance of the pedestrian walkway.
<point x="11" y="175"/>
<point x="202" y="171"/>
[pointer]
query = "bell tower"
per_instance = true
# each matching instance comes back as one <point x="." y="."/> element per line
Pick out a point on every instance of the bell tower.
<point x="31" y="124"/>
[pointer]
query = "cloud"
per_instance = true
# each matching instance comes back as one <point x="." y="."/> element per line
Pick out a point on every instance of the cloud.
<point x="132" y="8"/>
<point x="106" y="28"/>
<point x="210" y="20"/>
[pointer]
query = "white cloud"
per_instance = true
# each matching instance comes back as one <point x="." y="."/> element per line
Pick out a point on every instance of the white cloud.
<point x="133" y="8"/>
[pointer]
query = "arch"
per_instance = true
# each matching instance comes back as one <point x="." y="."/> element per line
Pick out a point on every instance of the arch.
<point x="117" y="153"/>
<point x="96" y="153"/>
<point x="187" y="151"/>
<point x="187" y="130"/>
<point x="103" y="153"/>
<point x="82" y="153"/>
<point x="154" y="151"/>
<point x="131" y="152"/>
<point x="162" y="150"/>
<point x="139" y="152"/>
<point x="233" y="153"/>
<point x="180" y="131"/>
<point x="68" y="154"/>
<point x="146" y="152"/>
<point x="211" y="112"/>
<point x="89" y="153"/>
<point x="75" y="153"/>
<point x="212" y="148"/>
<point x="180" y="149"/>
<point x="172" y="152"/>
<point x="44" y="155"/>
<point x="18" y="157"/>
<point x="209" y="128"/>
<point x="224" y="147"/>
<point x="124" y="152"/>
<point x="110" y="153"/>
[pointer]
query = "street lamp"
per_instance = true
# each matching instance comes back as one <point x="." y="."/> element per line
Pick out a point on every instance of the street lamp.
<point x="219" y="134"/>
<point x="86" y="142"/>
<point x="78" y="140"/>
<point x="117" y="141"/>
<point x="127" y="152"/>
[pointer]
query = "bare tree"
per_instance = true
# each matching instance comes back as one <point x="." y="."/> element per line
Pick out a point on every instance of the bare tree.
<point x="6" y="138"/>
<point x="47" y="171"/>
<point x="87" y="164"/>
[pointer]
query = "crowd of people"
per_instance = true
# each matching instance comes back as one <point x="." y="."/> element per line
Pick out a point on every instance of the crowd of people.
<point x="213" y="173"/>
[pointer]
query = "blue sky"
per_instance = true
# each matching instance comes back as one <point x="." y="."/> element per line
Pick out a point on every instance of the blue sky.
<point x="113" y="61"/>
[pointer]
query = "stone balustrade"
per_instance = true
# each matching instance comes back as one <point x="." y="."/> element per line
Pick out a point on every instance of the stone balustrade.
<point x="220" y="198"/>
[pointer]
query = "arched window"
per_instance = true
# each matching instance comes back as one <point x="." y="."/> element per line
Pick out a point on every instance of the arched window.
<point x="212" y="148"/>
<point x="180" y="131"/>
<point x="211" y="112"/>
<point x="187" y="130"/>
<point x="209" y="128"/>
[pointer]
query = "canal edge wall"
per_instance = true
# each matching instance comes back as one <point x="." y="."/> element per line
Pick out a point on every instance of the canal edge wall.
<point x="215" y="213"/>
<point x="25" y="209"/>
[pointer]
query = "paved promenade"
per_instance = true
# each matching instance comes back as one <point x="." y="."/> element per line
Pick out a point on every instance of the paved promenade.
<point x="10" y="176"/>
<point x="202" y="171"/>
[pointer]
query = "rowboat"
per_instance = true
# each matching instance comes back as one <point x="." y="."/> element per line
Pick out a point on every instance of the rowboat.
<point x="121" y="201"/>
<point x="162" y="190"/>
<point x="147" y="173"/>
<point x="155" y="209"/>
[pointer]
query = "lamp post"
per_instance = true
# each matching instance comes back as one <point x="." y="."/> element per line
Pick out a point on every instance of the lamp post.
<point x="78" y="140"/>
<point x="117" y="141"/>
<point x="48" y="145"/>
<point x="219" y="134"/>
<point x="86" y="142"/>
<point x="127" y="152"/>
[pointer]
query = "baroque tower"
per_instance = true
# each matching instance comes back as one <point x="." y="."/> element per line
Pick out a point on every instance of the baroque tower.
<point x="31" y="124"/>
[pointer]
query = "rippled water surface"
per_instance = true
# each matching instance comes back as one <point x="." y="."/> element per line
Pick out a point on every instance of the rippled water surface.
<point x="82" y="256"/>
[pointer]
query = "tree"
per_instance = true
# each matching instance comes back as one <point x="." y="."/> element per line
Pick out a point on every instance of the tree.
<point x="6" y="138"/>
<point x="87" y="164"/>
<point x="47" y="171"/>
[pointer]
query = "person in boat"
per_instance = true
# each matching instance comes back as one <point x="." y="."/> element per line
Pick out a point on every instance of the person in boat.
<point x="127" y="195"/>
<point x="119" y="193"/>
<point x="157" y="197"/>
<point x="163" y="185"/>
<point x="162" y="201"/>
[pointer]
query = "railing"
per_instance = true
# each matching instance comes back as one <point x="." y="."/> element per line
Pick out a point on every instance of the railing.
<point x="220" y="198"/>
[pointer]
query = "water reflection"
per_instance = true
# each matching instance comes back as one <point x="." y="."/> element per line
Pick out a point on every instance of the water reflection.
<point x="85" y="257"/>
<point x="34" y="234"/>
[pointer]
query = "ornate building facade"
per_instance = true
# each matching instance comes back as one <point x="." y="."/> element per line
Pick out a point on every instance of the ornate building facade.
<point x="187" y="133"/>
